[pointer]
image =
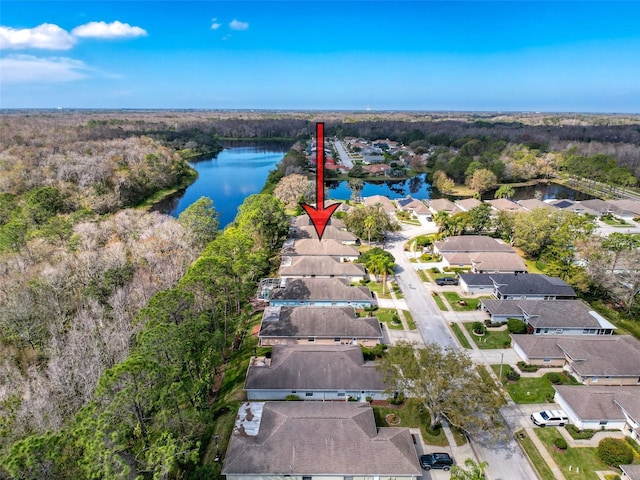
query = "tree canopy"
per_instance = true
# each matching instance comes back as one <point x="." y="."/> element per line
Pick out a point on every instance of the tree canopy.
<point x="370" y="222"/>
<point x="446" y="384"/>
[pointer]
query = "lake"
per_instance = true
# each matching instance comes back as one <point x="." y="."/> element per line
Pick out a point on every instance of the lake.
<point x="241" y="170"/>
<point x="236" y="173"/>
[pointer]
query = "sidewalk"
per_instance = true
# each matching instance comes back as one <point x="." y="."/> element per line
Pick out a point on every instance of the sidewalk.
<point x="557" y="473"/>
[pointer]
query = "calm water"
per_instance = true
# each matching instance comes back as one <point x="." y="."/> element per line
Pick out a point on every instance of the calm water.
<point x="240" y="171"/>
<point x="227" y="179"/>
<point x="419" y="188"/>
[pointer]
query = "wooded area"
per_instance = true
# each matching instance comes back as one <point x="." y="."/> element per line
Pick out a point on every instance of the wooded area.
<point x="115" y="322"/>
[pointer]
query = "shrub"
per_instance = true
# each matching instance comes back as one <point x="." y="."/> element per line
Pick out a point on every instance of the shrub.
<point x="560" y="443"/>
<point x="479" y="327"/>
<point x="369" y="399"/>
<point x="525" y="367"/>
<point x="579" y="434"/>
<point x="512" y="376"/>
<point x="373" y="352"/>
<point x="554" y="378"/>
<point x="615" y="452"/>
<point x="435" y="270"/>
<point x="515" y="325"/>
<point x="633" y="444"/>
<point x="397" y="399"/>
<point x="292" y="398"/>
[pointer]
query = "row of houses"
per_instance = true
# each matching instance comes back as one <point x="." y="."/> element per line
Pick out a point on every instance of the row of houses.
<point x="316" y="336"/>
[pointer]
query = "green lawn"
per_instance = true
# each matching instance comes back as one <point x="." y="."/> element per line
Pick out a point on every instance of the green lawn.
<point x="438" y="299"/>
<point x="465" y="305"/>
<point x="411" y="415"/>
<point x="491" y="339"/>
<point x="397" y="291"/>
<point x="377" y="287"/>
<point x="529" y="389"/>
<point x="460" y="336"/>
<point x="584" y="457"/>
<point x="386" y="315"/>
<point x="614" y="222"/>
<point x="410" y="323"/>
<point x="534" y="456"/>
<point x="423" y="276"/>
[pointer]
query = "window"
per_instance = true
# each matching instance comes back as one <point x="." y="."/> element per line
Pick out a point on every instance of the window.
<point x="594" y="379"/>
<point x="311" y="339"/>
<point x="559" y="331"/>
<point x="308" y="394"/>
<point x="337" y="340"/>
<point x="341" y="394"/>
<point x="306" y="478"/>
<point x="547" y="360"/>
<point x="603" y="422"/>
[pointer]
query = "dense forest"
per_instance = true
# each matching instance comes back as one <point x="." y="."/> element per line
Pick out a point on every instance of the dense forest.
<point x="115" y="322"/>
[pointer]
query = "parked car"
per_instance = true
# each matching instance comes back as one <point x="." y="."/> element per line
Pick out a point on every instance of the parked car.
<point x="551" y="418"/>
<point x="441" y="461"/>
<point x="447" y="281"/>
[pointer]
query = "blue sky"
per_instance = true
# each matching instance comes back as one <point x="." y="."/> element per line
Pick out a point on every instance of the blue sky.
<point x="579" y="56"/>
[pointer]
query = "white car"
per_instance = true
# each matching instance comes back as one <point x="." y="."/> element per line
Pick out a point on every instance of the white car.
<point x="550" y="418"/>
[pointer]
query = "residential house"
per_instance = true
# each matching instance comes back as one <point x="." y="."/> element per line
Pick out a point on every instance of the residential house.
<point x="574" y="206"/>
<point x="480" y="254"/>
<point x="443" y="205"/>
<point x="533" y="204"/>
<point x="319" y="372"/>
<point x="311" y="247"/>
<point x="319" y="441"/>
<point x="379" y="169"/>
<point x="632" y="206"/>
<point x="320" y="267"/>
<point x="414" y="206"/>
<point x="330" y="233"/>
<point x="467" y="204"/>
<point x="506" y="205"/>
<point x="381" y="200"/>
<point x="318" y="325"/>
<point x="320" y="292"/>
<point x="601" y="360"/>
<point x="598" y="407"/>
<point x="550" y="317"/>
<point x="630" y="472"/>
<point x="305" y="221"/>
<point x="371" y="158"/>
<point x="513" y="286"/>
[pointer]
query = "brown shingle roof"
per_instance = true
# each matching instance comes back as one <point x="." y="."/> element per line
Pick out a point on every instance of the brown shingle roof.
<point x="387" y="206"/>
<point x="596" y="402"/>
<point x="317" y="367"/>
<point x="320" y="322"/>
<point x="321" y="289"/>
<point x="300" y="266"/>
<point x="314" y="438"/>
<point x="611" y="355"/>
<point x="305" y="221"/>
<point x="324" y="247"/>
<point x="330" y="233"/>
<point x="472" y="243"/>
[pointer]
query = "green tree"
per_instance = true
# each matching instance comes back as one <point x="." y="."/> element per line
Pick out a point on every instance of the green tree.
<point x="442" y="182"/>
<point x="504" y="191"/>
<point x="264" y="219"/>
<point x="378" y="224"/>
<point x="444" y="381"/>
<point x="201" y="220"/>
<point x="471" y="470"/>
<point x="380" y="266"/>
<point x="357" y="171"/>
<point x="617" y="244"/>
<point x="480" y="218"/>
<point x="482" y="180"/>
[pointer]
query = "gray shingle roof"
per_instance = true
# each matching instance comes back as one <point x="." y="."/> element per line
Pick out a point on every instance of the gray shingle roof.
<point x="538" y="346"/>
<point x="611" y="355"/>
<point x="534" y="203"/>
<point x="387" y="206"/>
<point x="511" y="284"/>
<point x="330" y="233"/>
<point x="324" y="247"/>
<point x="549" y="313"/>
<point x="597" y="402"/>
<point x="632" y="471"/>
<point x="317" y="265"/>
<point x="506" y="205"/>
<point x="472" y="243"/>
<point x="317" y="322"/>
<point x="314" y="438"/>
<point x="467" y="204"/>
<point x="321" y="289"/>
<point x="318" y="367"/>
<point x="497" y="262"/>
<point x="305" y="221"/>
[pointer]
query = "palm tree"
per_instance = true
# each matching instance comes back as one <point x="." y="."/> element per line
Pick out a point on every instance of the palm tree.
<point x="472" y="470"/>
<point x="355" y="185"/>
<point x="505" y="191"/>
<point x="380" y="265"/>
<point x="369" y="224"/>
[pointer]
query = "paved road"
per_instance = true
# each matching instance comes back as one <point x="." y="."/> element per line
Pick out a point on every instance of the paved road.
<point x="506" y="460"/>
<point x="342" y="153"/>
<point x="427" y="316"/>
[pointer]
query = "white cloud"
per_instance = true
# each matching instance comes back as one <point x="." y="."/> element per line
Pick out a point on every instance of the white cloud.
<point x="215" y="25"/>
<point x="108" y="30"/>
<point x="238" y="25"/>
<point x="19" y="69"/>
<point x="45" y="36"/>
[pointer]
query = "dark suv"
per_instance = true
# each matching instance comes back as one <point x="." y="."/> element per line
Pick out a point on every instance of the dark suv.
<point x="447" y="281"/>
<point x="436" y="460"/>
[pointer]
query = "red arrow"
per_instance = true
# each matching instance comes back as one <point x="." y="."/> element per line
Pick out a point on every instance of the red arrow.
<point x="320" y="216"/>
